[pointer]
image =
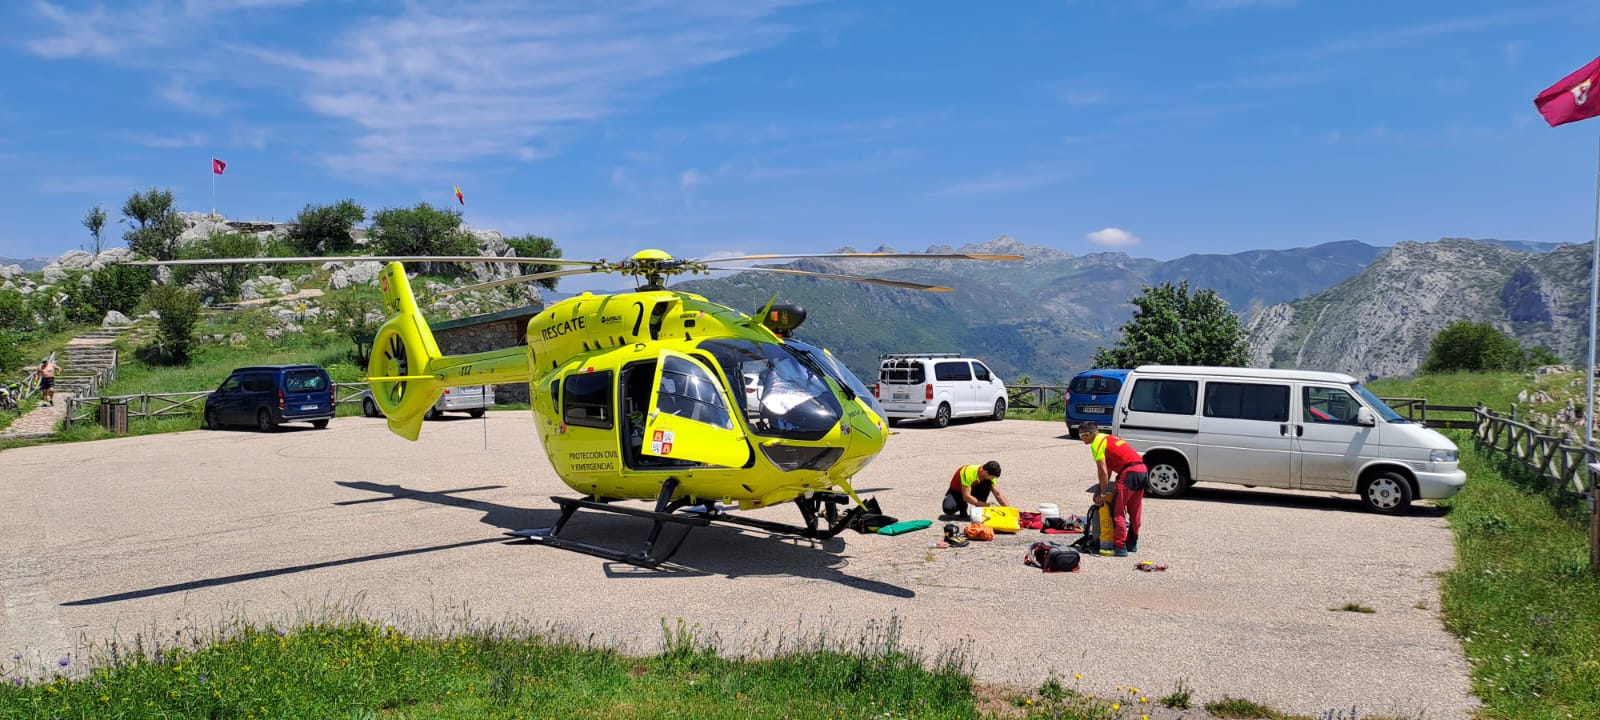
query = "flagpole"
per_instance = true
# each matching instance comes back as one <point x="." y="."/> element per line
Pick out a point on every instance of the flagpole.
<point x="214" y="202"/>
<point x="1594" y="307"/>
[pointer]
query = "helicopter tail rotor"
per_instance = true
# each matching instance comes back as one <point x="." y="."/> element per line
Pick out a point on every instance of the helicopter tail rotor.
<point x="401" y="352"/>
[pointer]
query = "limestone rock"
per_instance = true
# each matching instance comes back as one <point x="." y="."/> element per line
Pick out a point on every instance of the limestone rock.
<point x="115" y="319"/>
<point x="8" y="272"/>
<point x="238" y="339"/>
<point x="351" y="274"/>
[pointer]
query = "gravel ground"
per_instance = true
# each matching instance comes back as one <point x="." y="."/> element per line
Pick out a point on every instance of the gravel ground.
<point x="149" y="534"/>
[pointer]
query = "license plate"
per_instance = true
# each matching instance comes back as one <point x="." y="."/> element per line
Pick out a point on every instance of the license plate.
<point x="1094" y="409"/>
<point x="310" y="407"/>
<point x="902" y="396"/>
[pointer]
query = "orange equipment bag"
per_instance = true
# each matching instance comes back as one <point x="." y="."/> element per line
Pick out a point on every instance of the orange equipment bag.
<point x="980" y="531"/>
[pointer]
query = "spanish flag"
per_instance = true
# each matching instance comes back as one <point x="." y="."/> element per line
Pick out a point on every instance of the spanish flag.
<point x="459" y="197"/>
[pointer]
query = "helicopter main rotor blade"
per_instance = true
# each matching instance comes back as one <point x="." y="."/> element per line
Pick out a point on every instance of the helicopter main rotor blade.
<point x="851" y="278"/>
<point x="873" y="256"/>
<point x="522" y="279"/>
<point x="368" y="258"/>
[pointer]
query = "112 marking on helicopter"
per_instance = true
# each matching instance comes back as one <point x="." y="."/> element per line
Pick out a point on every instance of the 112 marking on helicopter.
<point x="657" y="395"/>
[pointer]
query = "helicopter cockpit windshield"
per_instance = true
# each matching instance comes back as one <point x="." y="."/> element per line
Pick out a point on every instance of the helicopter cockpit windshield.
<point x="839" y="373"/>
<point x="783" y="395"/>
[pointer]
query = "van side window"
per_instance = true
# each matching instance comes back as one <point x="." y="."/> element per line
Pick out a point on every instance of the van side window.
<point x="1247" y="401"/>
<point x="1329" y="405"/>
<point x="952" y="371"/>
<point x="980" y="371"/>
<point x="232" y="384"/>
<point x="586" y="400"/>
<point x="258" y="383"/>
<point x="1175" y="397"/>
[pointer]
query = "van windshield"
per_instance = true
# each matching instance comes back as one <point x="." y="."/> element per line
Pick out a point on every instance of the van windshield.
<point x="1382" y="408"/>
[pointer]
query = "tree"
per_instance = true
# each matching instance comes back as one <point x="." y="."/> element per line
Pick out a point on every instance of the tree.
<point x="11" y="358"/>
<point x="179" y="309"/>
<point x="14" y="311"/>
<point x="355" y="307"/>
<point x="1470" y="346"/>
<point x="159" y="225"/>
<point x="1541" y="356"/>
<point x="1171" y="326"/>
<point x="422" y="230"/>
<point x="219" y="281"/>
<point x="117" y="287"/>
<point x="325" y="229"/>
<point x="95" y="221"/>
<point x="541" y="247"/>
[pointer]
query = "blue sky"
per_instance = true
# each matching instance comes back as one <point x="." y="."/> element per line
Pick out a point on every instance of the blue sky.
<point x="1156" y="127"/>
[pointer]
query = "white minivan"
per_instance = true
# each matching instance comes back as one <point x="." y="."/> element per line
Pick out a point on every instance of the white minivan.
<point x="1291" y="429"/>
<point x="937" y="387"/>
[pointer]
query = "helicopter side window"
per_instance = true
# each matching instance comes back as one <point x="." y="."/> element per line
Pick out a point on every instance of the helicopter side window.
<point x="586" y="400"/>
<point x="688" y="391"/>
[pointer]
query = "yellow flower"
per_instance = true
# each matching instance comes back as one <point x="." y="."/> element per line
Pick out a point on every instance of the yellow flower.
<point x="1144" y="700"/>
<point x="1116" y="706"/>
<point x="1077" y="676"/>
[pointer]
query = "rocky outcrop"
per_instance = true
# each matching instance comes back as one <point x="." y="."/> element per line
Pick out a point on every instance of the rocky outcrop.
<point x="1381" y="321"/>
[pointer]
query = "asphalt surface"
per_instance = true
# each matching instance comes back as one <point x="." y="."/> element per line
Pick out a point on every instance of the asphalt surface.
<point x="151" y="534"/>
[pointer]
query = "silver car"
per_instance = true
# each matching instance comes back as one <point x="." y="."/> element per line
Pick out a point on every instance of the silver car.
<point x="473" y="400"/>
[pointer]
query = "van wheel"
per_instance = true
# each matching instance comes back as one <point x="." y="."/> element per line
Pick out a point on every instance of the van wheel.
<point x="1000" y="409"/>
<point x="1168" y="478"/>
<point x="264" y="421"/>
<point x="941" y="418"/>
<point x="431" y="414"/>
<point x="369" y="408"/>
<point x="894" y="422"/>
<point x="1386" y="492"/>
<point x="211" y="420"/>
<point x="319" y="424"/>
<point x="475" y="413"/>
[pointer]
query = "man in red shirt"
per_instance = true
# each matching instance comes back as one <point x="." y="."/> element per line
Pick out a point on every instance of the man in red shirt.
<point x="1114" y="457"/>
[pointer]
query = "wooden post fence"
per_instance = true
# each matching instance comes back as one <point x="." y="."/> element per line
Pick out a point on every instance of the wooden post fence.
<point x="1574" y="468"/>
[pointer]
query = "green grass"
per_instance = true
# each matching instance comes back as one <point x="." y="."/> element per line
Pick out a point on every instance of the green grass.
<point x="1354" y="607"/>
<point x="365" y="670"/>
<point x="1522" y="597"/>
<point x="1497" y="390"/>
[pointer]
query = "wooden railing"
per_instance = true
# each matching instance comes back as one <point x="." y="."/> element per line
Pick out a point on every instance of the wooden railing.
<point x="1417" y="410"/>
<point x="1548" y="455"/>
<point x="1033" y="397"/>
<point x="154" y="405"/>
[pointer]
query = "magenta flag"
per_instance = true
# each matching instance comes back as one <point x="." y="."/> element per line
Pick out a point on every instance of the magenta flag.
<point x="1576" y="97"/>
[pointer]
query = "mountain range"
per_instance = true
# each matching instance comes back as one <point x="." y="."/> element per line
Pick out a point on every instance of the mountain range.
<point x="28" y="265"/>
<point x="1041" y="317"/>
<point x="1344" y="306"/>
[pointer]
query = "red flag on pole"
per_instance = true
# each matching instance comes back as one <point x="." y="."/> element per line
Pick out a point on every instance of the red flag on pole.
<point x="1576" y="97"/>
<point x="459" y="197"/>
<point x="217" y="166"/>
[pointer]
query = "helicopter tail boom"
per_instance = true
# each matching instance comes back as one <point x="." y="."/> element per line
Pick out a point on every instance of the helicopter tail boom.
<point x="408" y="373"/>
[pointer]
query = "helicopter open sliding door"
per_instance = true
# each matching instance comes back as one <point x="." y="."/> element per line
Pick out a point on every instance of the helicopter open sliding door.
<point x="689" y="417"/>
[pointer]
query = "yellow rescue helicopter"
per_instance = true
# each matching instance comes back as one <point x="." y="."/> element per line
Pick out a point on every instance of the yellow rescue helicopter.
<point x="658" y="395"/>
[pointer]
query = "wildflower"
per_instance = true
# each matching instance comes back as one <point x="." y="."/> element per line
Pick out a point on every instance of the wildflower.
<point x="17" y="656"/>
<point x="1077" y="676"/>
<point x="1116" y="706"/>
<point x="63" y="661"/>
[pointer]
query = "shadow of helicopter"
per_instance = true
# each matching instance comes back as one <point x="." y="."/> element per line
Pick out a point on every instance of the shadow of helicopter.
<point x="715" y="549"/>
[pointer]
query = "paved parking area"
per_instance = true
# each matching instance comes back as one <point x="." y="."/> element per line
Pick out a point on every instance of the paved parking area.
<point x="159" y="532"/>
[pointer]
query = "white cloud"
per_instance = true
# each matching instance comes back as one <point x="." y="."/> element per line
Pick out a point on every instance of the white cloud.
<point x="167" y="142"/>
<point x="114" y="33"/>
<point x="1112" y="237"/>
<point x="1223" y="5"/>
<point x="1008" y="181"/>
<point x="1083" y="98"/>
<point x="691" y="178"/>
<point x="427" y="87"/>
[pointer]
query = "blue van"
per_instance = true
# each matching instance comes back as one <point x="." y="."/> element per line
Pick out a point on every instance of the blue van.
<point x="268" y="396"/>
<point x="1092" y="396"/>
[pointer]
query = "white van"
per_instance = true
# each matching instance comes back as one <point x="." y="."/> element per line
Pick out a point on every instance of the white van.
<point x="937" y="387"/>
<point x="1290" y="429"/>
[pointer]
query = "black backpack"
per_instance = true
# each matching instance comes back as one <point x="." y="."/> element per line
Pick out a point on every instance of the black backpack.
<point x="1050" y="557"/>
<point x="872" y="518"/>
<point x="1089" y="542"/>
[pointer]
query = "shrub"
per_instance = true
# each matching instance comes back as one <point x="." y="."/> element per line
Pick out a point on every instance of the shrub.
<point x="218" y="281"/>
<point x="13" y="311"/>
<point x="116" y="287"/>
<point x="325" y="229"/>
<point x="540" y="247"/>
<point x="1473" y="347"/>
<point x="179" y="309"/>
<point x="422" y="230"/>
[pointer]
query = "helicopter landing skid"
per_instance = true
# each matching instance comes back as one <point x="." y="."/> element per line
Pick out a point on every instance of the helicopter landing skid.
<point x="828" y="503"/>
<point x="646" y="557"/>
